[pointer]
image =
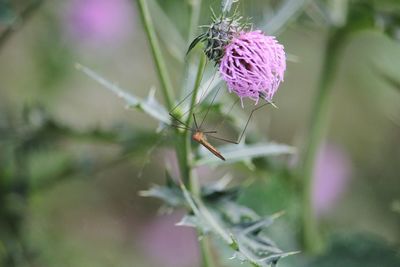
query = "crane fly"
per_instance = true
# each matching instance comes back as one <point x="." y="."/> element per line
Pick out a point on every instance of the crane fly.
<point x="200" y="136"/>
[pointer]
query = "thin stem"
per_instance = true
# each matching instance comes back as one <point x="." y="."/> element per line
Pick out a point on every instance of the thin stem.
<point x="205" y="253"/>
<point x="197" y="83"/>
<point x="183" y="152"/>
<point x="194" y="13"/>
<point x="183" y="142"/>
<point x="194" y="186"/>
<point x="166" y="85"/>
<point x="318" y="124"/>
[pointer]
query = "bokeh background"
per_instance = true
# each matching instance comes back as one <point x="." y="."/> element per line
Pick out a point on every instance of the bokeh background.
<point x="73" y="158"/>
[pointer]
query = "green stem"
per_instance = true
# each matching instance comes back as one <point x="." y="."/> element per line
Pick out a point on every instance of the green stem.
<point x="194" y="187"/>
<point x="205" y="253"/>
<point x="183" y="142"/>
<point x="180" y="144"/>
<point x="188" y="178"/>
<point x="166" y="85"/>
<point x="318" y="124"/>
<point x="197" y="83"/>
<point x="182" y="152"/>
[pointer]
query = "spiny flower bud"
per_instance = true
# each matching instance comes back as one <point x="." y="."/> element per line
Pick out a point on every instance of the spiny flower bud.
<point x="253" y="65"/>
<point x="218" y="36"/>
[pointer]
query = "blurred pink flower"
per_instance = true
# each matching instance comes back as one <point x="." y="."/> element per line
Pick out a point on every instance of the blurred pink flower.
<point x="99" y="20"/>
<point x="253" y="65"/>
<point x="331" y="175"/>
<point x="169" y="245"/>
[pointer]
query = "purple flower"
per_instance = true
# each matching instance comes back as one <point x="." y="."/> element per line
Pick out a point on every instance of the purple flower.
<point x="99" y="20"/>
<point x="169" y="245"/>
<point x="331" y="174"/>
<point x="253" y="65"/>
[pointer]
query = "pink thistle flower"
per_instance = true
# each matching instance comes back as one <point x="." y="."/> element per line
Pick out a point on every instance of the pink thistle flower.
<point x="253" y="65"/>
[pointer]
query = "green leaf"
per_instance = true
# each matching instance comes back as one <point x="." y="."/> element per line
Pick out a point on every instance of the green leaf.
<point x="238" y="226"/>
<point x="236" y="213"/>
<point x="256" y="246"/>
<point x="149" y="105"/>
<point x="246" y="238"/>
<point x="224" y="199"/>
<point x="235" y="153"/>
<point x="192" y="221"/>
<point x="206" y="217"/>
<point x="170" y="193"/>
<point x="195" y="42"/>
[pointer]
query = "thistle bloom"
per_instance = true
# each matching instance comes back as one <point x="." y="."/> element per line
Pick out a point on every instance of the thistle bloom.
<point x="253" y="65"/>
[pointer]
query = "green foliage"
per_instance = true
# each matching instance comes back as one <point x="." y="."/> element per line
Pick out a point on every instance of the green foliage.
<point x="33" y="155"/>
<point x="217" y="212"/>
<point x="149" y="105"/>
<point x="245" y="153"/>
<point x="357" y="250"/>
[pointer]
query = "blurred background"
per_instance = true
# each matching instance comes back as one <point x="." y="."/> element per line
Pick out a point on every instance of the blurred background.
<point x="73" y="158"/>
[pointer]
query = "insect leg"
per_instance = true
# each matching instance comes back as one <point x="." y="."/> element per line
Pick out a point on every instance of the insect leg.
<point x="212" y="102"/>
<point x="178" y="120"/>
<point x="245" y="127"/>
<point x="230" y="109"/>
<point x="203" y="94"/>
<point x="195" y="121"/>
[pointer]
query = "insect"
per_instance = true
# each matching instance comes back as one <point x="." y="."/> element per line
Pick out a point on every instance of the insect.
<point x="200" y="136"/>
